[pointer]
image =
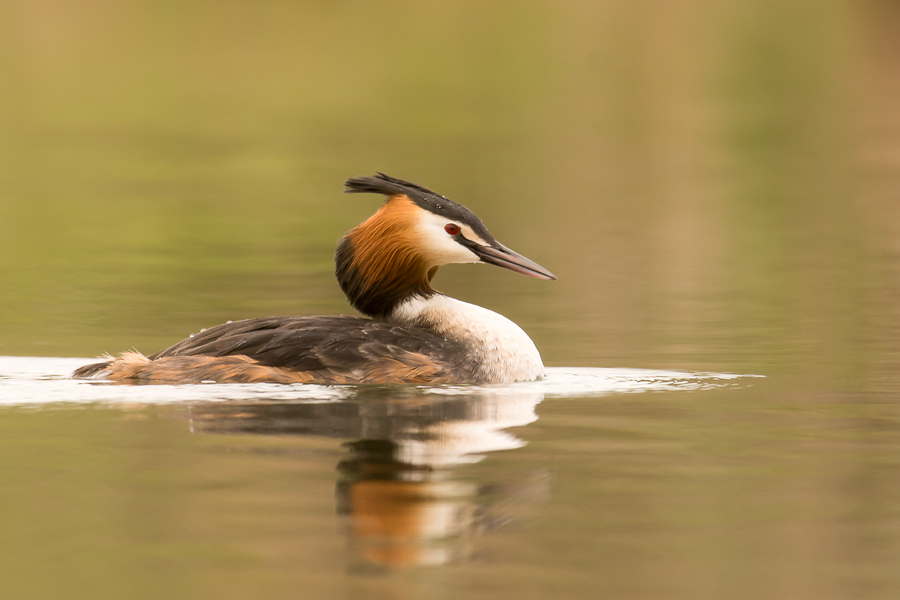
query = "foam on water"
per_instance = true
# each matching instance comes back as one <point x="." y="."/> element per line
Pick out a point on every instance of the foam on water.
<point x="26" y="380"/>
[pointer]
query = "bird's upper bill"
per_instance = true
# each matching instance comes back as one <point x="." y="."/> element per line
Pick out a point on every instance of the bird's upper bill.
<point x="508" y="259"/>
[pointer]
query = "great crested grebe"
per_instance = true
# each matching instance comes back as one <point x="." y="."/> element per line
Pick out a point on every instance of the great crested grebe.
<point x="384" y="266"/>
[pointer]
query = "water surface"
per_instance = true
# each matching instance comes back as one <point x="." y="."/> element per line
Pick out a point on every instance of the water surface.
<point x="414" y="478"/>
<point x="714" y="183"/>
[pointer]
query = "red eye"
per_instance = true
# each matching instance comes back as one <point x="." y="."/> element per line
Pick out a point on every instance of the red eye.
<point x="451" y="228"/>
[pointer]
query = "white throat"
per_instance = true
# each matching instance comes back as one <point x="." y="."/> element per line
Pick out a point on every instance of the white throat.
<point x="502" y="350"/>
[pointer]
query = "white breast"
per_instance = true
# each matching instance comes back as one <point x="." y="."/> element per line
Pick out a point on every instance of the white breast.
<point x="503" y="350"/>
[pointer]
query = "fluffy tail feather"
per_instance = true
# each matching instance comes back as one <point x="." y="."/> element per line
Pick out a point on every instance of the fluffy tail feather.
<point x="95" y="370"/>
<point x="130" y="365"/>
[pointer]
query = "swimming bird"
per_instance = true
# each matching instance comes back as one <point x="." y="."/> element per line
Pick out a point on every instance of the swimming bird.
<point x="411" y="333"/>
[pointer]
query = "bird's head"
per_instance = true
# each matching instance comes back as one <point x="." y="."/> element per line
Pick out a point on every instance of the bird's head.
<point x="395" y="253"/>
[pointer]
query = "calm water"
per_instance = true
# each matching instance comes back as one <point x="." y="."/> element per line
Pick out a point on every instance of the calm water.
<point x="717" y="186"/>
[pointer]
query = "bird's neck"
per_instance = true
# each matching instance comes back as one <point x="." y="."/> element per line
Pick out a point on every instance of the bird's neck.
<point x="376" y="278"/>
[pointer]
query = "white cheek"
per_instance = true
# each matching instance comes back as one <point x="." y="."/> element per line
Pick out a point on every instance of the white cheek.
<point x="439" y="245"/>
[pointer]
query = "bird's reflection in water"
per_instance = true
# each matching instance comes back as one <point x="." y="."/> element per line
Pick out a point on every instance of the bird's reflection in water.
<point x="402" y="488"/>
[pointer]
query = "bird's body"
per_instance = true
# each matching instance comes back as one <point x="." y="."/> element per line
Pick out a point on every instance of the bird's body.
<point x="384" y="266"/>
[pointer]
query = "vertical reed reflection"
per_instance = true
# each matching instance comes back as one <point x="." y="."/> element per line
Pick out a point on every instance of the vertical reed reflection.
<point x="402" y="492"/>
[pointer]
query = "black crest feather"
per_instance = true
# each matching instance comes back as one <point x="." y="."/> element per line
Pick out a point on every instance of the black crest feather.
<point x="389" y="186"/>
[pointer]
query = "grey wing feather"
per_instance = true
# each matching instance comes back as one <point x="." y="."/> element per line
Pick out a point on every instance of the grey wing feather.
<point x="316" y="343"/>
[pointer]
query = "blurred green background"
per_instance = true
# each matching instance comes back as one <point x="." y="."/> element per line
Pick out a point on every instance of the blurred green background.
<point x="715" y="183"/>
